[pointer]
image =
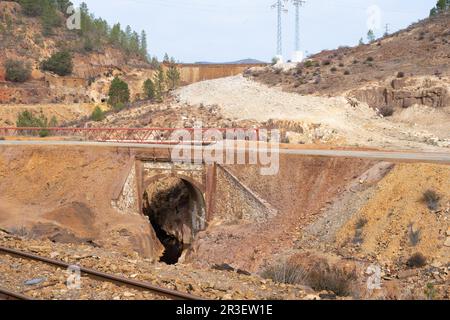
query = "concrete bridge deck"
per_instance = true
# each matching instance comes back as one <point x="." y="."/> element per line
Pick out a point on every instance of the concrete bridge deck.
<point x="158" y="151"/>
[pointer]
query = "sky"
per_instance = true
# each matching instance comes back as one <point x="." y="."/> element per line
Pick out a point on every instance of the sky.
<point x="223" y="31"/>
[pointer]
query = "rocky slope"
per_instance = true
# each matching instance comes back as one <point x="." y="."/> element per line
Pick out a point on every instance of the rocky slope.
<point x="311" y="119"/>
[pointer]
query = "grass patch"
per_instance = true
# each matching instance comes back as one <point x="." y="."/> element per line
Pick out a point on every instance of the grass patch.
<point x="287" y="272"/>
<point x="320" y="277"/>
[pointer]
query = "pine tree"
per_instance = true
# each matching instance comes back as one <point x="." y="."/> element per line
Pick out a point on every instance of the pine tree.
<point x="154" y="63"/>
<point x="159" y="81"/>
<point x="114" y="36"/>
<point x="32" y="8"/>
<point x="134" y="45"/>
<point x="149" y="89"/>
<point x="49" y="18"/>
<point x="127" y="40"/>
<point x="370" y="36"/>
<point x="166" y="58"/>
<point x="62" y="5"/>
<point x="361" y="41"/>
<point x="143" y="46"/>
<point x="173" y="75"/>
<point x="442" y="5"/>
<point x="119" y="94"/>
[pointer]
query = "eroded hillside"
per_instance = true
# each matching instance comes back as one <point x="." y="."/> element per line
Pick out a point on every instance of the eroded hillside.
<point x="94" y="66"/>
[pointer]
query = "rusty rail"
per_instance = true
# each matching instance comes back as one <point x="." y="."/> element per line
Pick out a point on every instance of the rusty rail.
<point x="133" y="135"/>
<point x="176" y="295"/>
<point x="6" y="294"/>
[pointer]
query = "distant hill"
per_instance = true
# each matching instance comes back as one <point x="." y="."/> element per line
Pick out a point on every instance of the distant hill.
<point x="243" y="61"/>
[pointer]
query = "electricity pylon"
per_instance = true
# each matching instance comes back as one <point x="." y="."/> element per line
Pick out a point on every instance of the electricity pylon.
<point x="298" y="56"/>
<point x="297" y="5"/>
<point x="280" y="6"/>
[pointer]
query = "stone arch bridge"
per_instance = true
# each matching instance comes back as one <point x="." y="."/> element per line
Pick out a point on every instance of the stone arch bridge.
<point x="215" y="191"/>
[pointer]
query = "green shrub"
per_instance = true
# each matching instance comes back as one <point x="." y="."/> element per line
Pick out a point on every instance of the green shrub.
<point x="309" y="63"/>
<point x="17" y="71"/>
<point x="119" y="94"/>
<point x="27" y="119"/>
<point x="97" y="114"/>
<point x="59" y="63"/>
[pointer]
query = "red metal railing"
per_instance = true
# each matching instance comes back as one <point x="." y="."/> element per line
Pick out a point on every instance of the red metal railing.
<point x="136" y="135"/>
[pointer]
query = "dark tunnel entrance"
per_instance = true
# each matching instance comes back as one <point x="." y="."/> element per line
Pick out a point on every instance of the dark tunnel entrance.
<point x="174" y="208"/>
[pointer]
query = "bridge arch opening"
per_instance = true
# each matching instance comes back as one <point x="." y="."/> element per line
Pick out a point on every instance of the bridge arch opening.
<point x="175" y="207"/>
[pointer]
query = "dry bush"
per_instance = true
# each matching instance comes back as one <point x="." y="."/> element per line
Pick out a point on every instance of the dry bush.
<point x="325" y="277"/>
<point x="431" y="198"/>
<point x="320" y="277"/>
<point x="414" y="236"/>
<point x="361" y="223"/>
<point x="285" y="272"/>
<point x="417" y="260"/>
<point x="386" y="111"/>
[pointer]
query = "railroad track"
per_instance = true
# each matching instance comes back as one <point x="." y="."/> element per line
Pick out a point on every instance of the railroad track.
<point x="6" y="294"/>
<point x="95" y="274"/>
